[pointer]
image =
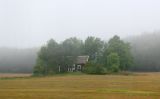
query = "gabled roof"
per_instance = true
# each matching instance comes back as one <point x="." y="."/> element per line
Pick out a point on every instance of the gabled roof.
<point x="82" y="59"/>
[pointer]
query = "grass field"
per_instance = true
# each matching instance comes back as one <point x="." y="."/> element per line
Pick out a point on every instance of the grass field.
<point x="137" y="86"/>
<point x="12" y="75"/>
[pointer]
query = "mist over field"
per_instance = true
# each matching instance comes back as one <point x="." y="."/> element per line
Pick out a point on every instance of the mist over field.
<point x="146" y="51"/>
<point x="13" y="60"/>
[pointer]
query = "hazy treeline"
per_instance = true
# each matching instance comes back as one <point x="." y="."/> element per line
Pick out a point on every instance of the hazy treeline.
<point x="17" y="60"/>
<point x="104" y="57"/>
<point x="146" y="51"/>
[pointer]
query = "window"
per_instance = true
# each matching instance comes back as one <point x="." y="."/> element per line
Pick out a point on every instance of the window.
<point x="79" y="67"/>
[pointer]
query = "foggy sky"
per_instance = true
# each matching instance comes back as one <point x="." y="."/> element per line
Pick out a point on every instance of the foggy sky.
<point x="30" y="23"/>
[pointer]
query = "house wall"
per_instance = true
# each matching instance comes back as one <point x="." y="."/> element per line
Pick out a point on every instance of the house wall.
<point x="76" y="67"/>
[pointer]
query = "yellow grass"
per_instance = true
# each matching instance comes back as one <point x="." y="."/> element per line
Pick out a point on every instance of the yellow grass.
<point x="9" y="75"/>
<point x="139" y="86"/>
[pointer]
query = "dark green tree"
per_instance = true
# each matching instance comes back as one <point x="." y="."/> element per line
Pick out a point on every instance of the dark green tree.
<point x="93" y="47"/>
<point x="48" y="58"/>
<point x="53" y="55"/>
<point x="116" y="45"/>
<point x="113" y="62"/>
<point x="72" y="47"/>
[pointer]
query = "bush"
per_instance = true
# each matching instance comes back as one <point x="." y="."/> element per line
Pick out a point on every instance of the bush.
<point x="113" y="62"/>
<point x="92" y="68"/>
<point x="114" y="68"/>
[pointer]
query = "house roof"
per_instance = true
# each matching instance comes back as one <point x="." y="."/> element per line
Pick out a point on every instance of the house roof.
<point x="82" y="59"/>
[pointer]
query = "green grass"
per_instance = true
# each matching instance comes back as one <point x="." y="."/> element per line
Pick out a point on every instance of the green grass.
<point x="82" y="86"/>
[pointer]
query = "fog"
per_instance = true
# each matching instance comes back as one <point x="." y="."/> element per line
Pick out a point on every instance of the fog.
<point x="30" y="23"/>
<point x="146" y="51"/>
<point x="14" y="60"/>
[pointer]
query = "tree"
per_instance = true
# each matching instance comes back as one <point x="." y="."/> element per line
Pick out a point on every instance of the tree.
<point x="116" y="45"/>
<point x="39" y="69"/>
<point x="48" y="58"/>
<point x="72" y="47"/>
<point x="115" y="54"/>
<point x="93" y="47"/>
<point x="113" y="62"/>
<point x="53" y="55"/>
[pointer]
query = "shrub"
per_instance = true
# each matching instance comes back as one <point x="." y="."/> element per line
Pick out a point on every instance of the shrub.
<point x="114" y="68"/>
<point x="113" y="62"/>
<point x="93" y="68"/>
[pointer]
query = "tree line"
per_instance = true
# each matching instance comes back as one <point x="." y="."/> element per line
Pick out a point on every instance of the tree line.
<point x="144" y="49"/>
<point x="112" y="56"/>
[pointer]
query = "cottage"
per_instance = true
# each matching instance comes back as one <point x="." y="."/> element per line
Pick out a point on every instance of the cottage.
<point x="79" y="63"/>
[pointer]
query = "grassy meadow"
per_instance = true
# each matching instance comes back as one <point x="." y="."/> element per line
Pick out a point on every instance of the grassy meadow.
<point x="136" y="86"/>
